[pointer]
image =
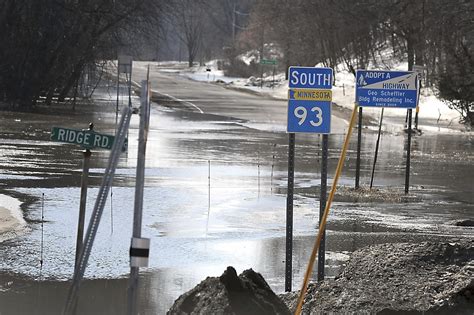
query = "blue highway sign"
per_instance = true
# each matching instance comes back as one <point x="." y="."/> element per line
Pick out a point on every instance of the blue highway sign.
<point x="310" y="78"/>
<point x="309" y="99"/>
<point x="386" y="88"/>
<point x="309" y="116"/>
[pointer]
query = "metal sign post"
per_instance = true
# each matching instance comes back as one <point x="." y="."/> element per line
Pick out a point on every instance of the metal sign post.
<point x="139" y="248"/>
<point x="309" y="111"/>
<point x="289" y="212"/>
<point x="118" y="94"/>
<point x="88" y="139"/>
<point x="97" y="212"/>
<point x="125" y="64"/>
<point x="420" y="71"/>
<point x="322" y="205"/>
<point x="407" y="170"/>
<point x="130" y="87"/>
<point x="273" y="77"/>
<point x="82" y="205"/>
<point x="359" y="144"/>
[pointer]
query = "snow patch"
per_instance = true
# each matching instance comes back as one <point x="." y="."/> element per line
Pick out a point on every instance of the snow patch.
<point x="12" y="222"/>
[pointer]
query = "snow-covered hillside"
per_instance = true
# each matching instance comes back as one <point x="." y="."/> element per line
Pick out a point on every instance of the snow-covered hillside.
<point x="431" y="108"/>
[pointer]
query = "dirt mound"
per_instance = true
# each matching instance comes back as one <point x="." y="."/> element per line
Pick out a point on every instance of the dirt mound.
<point x="403" y="278"/>
<point x="246" y="294"/>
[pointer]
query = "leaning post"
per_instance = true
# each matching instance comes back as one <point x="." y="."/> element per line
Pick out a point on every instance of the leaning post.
<point x="82" y="205"/>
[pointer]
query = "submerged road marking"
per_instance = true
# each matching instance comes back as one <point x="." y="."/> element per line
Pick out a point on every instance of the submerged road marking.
<point x="175" y="99"/>
<point x="180" y="101"/>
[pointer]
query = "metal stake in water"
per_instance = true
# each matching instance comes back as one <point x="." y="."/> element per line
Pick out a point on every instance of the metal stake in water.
<point x="376" y="149"/>
<point x="258" y="174"/>
<point x="208" y="194"/>
<point x="42" y="234"/>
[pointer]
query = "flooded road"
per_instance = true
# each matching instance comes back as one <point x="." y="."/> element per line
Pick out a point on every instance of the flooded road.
<point x="215" y="195"/>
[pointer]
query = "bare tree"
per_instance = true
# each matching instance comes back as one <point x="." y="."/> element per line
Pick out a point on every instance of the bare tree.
<point x="47" y="44"/>
<point x="188" y="18"/>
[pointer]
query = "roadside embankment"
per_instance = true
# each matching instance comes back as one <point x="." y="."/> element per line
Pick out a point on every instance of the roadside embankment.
<point x="401" y="278"/>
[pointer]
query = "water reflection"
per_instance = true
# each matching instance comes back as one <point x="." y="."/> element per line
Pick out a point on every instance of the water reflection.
<point x="245" y="225"/>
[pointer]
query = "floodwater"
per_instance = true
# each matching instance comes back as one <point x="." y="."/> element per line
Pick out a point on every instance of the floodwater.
<point x="215" y="195"/>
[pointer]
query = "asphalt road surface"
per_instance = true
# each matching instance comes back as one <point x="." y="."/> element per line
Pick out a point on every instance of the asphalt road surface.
<point x="217" y="99"/>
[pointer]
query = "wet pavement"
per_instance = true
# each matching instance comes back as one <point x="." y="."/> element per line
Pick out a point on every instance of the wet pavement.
<point x="200" y="224"/>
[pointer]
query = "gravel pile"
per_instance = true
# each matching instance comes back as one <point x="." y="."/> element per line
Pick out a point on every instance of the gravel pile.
<point x="229" y="294"/>
<point x="403" y="278"/>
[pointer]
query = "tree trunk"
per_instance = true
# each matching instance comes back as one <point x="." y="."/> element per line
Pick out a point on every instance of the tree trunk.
<point x="410" y="53"/>
<point x="73" y="78"/>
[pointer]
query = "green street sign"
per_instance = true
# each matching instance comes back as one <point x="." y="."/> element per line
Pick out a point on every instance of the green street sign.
<point x="268" y="62"/>
<point x="88" y="139"/>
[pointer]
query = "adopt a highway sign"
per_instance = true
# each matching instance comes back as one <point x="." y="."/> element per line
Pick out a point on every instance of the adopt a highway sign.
<point x="376" y="88"/>
<point x="86" y="138"/>
<point x="309" y="100"/>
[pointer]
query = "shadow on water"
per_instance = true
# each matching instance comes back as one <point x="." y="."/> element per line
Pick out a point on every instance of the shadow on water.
<point x="21" y="296"/>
